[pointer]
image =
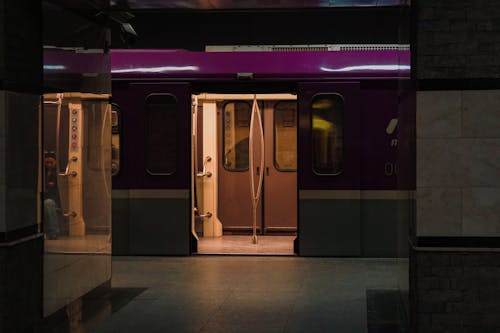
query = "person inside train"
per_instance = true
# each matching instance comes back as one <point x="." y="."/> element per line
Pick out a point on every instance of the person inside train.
<point x="51" y="196"/>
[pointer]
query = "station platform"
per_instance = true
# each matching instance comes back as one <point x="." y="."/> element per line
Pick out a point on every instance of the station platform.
<point x="209" y="293"/>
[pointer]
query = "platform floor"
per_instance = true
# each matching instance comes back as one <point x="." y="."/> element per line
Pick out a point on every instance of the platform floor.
<point x="236" y="244"/>
<point x="249" y="294"/>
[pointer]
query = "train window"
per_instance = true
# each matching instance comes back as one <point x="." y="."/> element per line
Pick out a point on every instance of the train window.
<point x="161" y="134"/>
<point x="95" y="122"/>
<point x="236" y="119"/>
<point x="285" y="136"/>
<point x="327" y="112"/>
<point x="115" y="139"/>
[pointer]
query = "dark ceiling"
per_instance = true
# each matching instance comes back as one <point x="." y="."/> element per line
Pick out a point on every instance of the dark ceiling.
<point x="256" y="4"/>
<point x="192" y="30"/>
<point x="224" y="4"/>
<point x="189" y="24"/>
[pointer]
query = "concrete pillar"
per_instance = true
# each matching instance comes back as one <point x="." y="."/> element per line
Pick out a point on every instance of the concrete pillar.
<point x="455" y="257"/>
<point x="20" y="88"/>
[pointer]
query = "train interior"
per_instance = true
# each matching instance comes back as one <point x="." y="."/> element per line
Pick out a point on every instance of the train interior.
<point x="244" y="173"/>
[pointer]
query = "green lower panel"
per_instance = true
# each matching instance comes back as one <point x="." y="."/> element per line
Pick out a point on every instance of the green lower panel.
<point x="354" y="227"/>
<point x="384" y="225"/>
<point x="159" y="226"/>
<point x="154" y="226"/>
<point x="329" y="227"/>
<point x="120" y="214"/>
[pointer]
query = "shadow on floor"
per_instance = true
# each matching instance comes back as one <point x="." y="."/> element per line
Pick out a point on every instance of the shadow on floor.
<point x="385" y="312"/>
<point x="88" y="312"/>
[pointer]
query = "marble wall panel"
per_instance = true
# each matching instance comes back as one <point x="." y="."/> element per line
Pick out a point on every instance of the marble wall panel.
<point x="481" y="211"/>
<point x="19" y="158"/>
<point x="439" y="114"/>
<point x="440" y="163"/>
<point x="3" y="224"/>
<point x="2" y="162"/>
<point x="458" y="162"/>
<point x="439" y="212"/>
<point x="3" y="113"/>
<point x="481" y="162"/>
<point x="481" y="114"/>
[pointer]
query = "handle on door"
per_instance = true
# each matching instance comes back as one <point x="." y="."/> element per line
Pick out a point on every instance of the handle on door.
<point x="205" y="172"/>
<point x="267" y="171"/>
<point x="68" y="173"/>
<point x="67" y="213"/>
<point x="258" y="171"/>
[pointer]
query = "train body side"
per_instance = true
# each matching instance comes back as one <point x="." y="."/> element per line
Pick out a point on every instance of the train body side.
<point x="366" y="211"/>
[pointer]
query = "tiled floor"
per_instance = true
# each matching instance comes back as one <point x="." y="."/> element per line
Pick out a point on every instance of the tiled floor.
<point x="248" y="294"/>
<point x="233" y="244"/>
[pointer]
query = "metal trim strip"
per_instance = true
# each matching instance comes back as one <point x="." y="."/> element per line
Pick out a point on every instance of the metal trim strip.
<point x="353" y="194"/>
<point x="456" y="244"/>
<point x="151" y="194"/>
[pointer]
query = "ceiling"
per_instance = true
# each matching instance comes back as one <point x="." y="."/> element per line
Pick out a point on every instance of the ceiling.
<point x="255" y="4"/>
<point x="217" y="5"/>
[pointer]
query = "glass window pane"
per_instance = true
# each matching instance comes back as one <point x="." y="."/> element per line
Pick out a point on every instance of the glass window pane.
<point x="161" y="134"/>
<point x="327" y="111"/>
<point x="115" y="139"/>
<point x="94" y="133"/>
<point x="285" y="136"/>
<point x="236" y="119"/>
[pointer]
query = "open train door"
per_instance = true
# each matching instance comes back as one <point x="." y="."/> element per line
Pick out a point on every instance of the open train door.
<point x="329" y="221"/>
<point x="152" y="189"/>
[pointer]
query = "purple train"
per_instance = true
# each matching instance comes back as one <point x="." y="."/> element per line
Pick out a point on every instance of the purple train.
<point x="312" y="146"/>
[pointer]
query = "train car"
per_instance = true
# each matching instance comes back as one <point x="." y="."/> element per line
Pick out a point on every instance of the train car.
<point x="313" y="147"/>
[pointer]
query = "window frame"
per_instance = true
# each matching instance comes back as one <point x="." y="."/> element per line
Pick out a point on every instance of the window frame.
<point x="146" y="124"/>
<point x="117" y="108"/>
<point x="275" y="164"/>
<point x="315" y="172"/>
<point x="225" y="103"/>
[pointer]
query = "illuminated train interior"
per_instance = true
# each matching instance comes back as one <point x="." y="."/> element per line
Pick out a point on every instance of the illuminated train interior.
<point x="224" y="218"/>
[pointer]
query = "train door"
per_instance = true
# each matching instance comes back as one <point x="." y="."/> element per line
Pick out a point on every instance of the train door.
<point x="153" y="185"/>
<point x="329" y="178"/>
<point x="76" y="196"/>
<point x="234" y="201"/>
<point x="280" y="181"/>
<point x="278" y="209"/>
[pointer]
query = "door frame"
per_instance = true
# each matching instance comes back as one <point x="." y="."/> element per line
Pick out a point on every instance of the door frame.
<point x="232" y="96"/>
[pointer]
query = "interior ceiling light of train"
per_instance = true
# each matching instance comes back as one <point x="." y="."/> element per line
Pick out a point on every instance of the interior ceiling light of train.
<point x="259" y="4"/>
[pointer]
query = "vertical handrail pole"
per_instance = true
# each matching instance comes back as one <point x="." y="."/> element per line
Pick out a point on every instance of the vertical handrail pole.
<point x="256" y="193"/>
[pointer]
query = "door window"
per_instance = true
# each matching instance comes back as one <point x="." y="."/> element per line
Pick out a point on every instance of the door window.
<point x="161" y="134"/>
<point x="285" y="136"/>
<point x="115" y="139"/>
<point x="327" y="112"/>
<point x="236" y="120"/>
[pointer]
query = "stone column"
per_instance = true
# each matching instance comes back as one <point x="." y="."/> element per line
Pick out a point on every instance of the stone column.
<point x="455" y="257"/>
<point x="20" y="88"/>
